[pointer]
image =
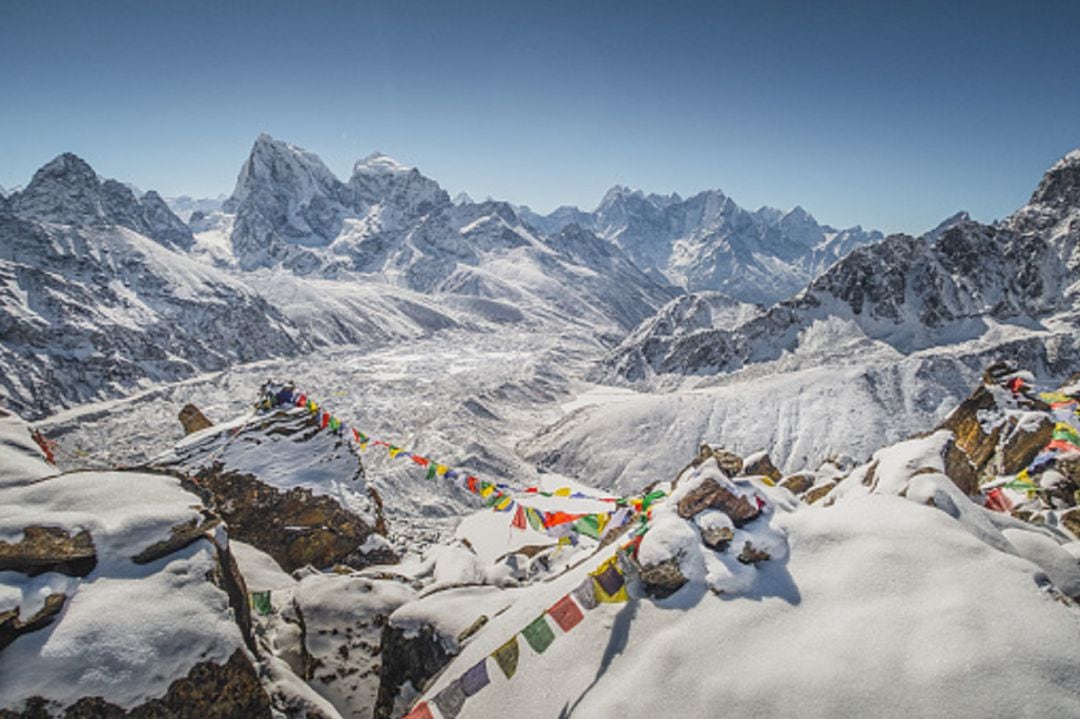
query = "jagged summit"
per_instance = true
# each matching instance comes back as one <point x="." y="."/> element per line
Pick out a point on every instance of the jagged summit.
<point x="67" y="191"/>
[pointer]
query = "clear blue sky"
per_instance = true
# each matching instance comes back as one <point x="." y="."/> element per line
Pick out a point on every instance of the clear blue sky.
<point x="892" y="115"/>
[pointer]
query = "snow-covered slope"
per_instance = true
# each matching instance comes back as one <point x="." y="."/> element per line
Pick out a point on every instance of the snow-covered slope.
<point x="392" y="224"/>
<point x="708" y="242"/>
<point x="91" y="312"/>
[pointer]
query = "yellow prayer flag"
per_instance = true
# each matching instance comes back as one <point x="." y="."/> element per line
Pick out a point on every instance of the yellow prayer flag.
<point x="441" y="469"/>
<point x="486" y="491"/>
<point x="395" y="451"/>
<point x="610" y="585"/>
<point x="562" y="492"/>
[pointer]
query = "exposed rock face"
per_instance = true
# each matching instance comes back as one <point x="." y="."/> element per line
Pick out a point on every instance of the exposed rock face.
<point x="730" y="463"/>
<point x="959" y="468"/>
<point x="752" y="555"/>
<point x="967" y="430"/>
<point x="798" y="483"/>
<point x="295" y="527"/>
<point x="67" y="191"/>
<point x="663" y="579"/>
<point x="193" y="419"/>
<point x="413" y="657"/>
<point x="763" y="466"/>
<point x="12" y="625"/>
<point x="49" y="549"/>
<point x="710" y="495"/>
<point x="209" y="691"/>
<point x="1021" y="443"/>
<point x="818" y="493"/>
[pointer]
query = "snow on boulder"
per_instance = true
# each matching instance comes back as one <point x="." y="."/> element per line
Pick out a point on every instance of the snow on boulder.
<point x="288" y="486"/>
<point x="150" y="614"/>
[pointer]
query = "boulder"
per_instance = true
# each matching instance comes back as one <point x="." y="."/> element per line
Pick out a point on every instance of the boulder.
<point x="1022" y="441"/>
<point x="730" y="463"/>
<point x="964" y="422"/>
<point x="959" y="468"/>
<point x="663" y="579"/>
<point x="716" y="538"/>
<point x="296" y="527"/>
<point x="710" y="495"/>
<point x="407" y="656"/>
<point x="49" y="549"/>
<point x="760" y="465"/>
<point x="798" y="483"/>
<point x="193" y="419"/>
<point x="1071" y="521"/>
<point x="11" y="626"/>
<point x="752" y="555"/>
<point x="816" y="494"/>
<point x="209" y="691"/>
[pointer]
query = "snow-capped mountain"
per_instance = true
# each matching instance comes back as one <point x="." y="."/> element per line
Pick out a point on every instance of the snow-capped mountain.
<point x="708" y="242"/>
<point x="392" y="222"/>
<point x="67" y="191"/>
<point x="950" y="285"/>
<point x="186" y="206"/>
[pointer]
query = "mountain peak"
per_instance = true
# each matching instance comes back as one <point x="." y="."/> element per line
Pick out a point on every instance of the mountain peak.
<point x="68" y="169"/>
<point x="378" y="163"/>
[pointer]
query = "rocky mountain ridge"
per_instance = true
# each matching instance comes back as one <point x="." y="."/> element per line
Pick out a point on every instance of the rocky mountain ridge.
<point x="954" y="284"/>
<point x="708" y="242"/>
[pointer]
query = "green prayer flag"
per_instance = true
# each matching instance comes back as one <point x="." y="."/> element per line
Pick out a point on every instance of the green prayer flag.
<point x="535" y="520"/>
<point x="1068" y="434"/>
<point x="648" y="500"/>
<point x="431" y="471"/>
<point x="506" y="657"/>
<point x="260" y="602"/>
<point x="589" y="525"/>
<point x="538" y="635"/>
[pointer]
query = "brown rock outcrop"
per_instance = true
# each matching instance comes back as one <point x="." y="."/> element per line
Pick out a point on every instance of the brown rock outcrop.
<point x="295" y="527"/>
<point x="710" y="495"/>
<point x="193" y="419"/>
<point x="209" y="691"/>
<point x="798" y="483"/>
<point x="49" y="549"/>
<point x="12" y="627"/>
<point x="959" y="468"/>
<point x="763" y="467"/>
<point x="663" y="579"/>
<point x="1020" y="445"/>
<point x="967" y="429"/>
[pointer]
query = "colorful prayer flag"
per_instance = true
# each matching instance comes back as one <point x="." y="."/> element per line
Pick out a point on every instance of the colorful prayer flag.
<point x="260" y="602"/>
<point x="473" y="484"/>
<point x="420" y="711"/>
<point x="503" y="504"/>
<point x="562" y="492"/>
<point x="585" y="593"/>
<point x="430" y="472"/>
<point x="422" y="461"/>
<point x="1065" y="432"/>
<point x="566" y="614"/>
<point x="475" y="679"/>
<point x="518" y="522"/>
<point x="538" y="634"/>
<point x="552" y="519"/>
<point x="506" y="657"/>
<point x="441" y="469"/>
<point x="610" y="585"/>
<point x="394" y="451"/>
<point x="450" y="700"/>
<point x="536" y="520"/>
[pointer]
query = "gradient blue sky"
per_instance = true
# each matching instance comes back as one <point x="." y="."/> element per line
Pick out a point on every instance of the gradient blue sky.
<point x="892" y="115"/>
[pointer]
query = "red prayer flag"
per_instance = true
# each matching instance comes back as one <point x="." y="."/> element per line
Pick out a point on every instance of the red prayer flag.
<point x="301" y="401"/>
<point x="553" y="519"/>
<point x="997" y="501"/>
<point x="472" y="483"/>
<point x="422" y="461"/>
<point x="420" y="711"/>
<point x="531" y="490"/>
<point x="519" y="518"/>
<point x="1015" y="384"/>
<point x="1062" y="446"/>
<point x="325" y="420"/>
<point x="566" y="613"/>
